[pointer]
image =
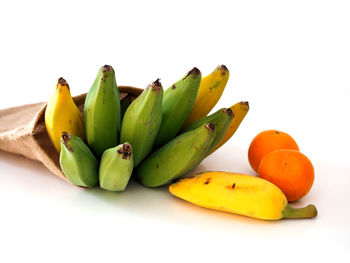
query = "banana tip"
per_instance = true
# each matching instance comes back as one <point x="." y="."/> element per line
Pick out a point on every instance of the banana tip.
<point x="195" y="72"/>
<point x="156" y="85"/>
<point x="62" y="81"/>
<point x="107" y="68"/>
<point x="245" y="103"/>
<point x="125" y="151"/>
<point x="222" y="67"/>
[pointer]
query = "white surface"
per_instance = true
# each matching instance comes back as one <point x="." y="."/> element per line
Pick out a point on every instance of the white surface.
<point x="289" y="59"/>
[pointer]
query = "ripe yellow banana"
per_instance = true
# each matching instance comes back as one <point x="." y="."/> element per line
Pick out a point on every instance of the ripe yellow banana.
<point x="209" y="93"/>
<point x="240" y="194"/>
<point x="62" y="115"/>
<point x="239" y="111"/>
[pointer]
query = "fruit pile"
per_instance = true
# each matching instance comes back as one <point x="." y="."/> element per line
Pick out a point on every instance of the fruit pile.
<point x="284" y="174"/>
<point x="160" y="136"/>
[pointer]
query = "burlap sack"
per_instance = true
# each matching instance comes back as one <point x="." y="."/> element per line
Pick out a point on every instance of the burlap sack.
<point x="23" y="131"/>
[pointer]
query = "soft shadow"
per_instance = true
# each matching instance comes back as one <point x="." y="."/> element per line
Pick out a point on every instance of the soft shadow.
<point x="24" y="170"/>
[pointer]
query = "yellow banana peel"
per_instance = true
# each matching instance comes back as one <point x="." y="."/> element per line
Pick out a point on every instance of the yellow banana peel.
<point x="240" y="194"/>
<point x="239" y="111"/>
<point x="62" y="115"/>
<point x="209" y="93"/>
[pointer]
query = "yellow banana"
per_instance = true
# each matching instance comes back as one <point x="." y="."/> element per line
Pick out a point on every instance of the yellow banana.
<point x="240" y="194"/>
<point x="209" y="93"/>
<point x="62" y="115"/>
<point x="239" y="111"/>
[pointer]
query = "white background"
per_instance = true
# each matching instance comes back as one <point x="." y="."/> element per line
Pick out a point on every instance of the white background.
<point x="289" y="59"/>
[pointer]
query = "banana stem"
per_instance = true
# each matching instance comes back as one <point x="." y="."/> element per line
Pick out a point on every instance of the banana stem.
<point x="309" y="211"/>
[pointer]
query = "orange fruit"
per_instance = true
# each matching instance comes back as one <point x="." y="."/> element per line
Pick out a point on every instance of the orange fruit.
<point x="290" y="170"/>
<point x="266" y="142"/>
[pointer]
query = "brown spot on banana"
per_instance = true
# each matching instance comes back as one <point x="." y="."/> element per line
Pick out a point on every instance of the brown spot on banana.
<point x="207" y="181"/>
<point x="231" y="187"/>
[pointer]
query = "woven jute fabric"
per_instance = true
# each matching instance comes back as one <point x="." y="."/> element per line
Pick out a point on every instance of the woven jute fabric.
<point x="23" y="131"/>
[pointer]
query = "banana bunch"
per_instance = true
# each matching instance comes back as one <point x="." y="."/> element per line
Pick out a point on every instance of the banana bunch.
<point x="152" y="121"/>
<point x="240" y="194"/>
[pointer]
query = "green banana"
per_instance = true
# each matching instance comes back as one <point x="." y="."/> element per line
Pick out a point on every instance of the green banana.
<point x="116" y="167"/>
<point x="178" y="102"/>
<point x="77" y="162"/>
<point x="142" y="120"/>
<point x="221" y="119"/>
<point x="177" y="157"/>
<point x="102" y="112"/>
